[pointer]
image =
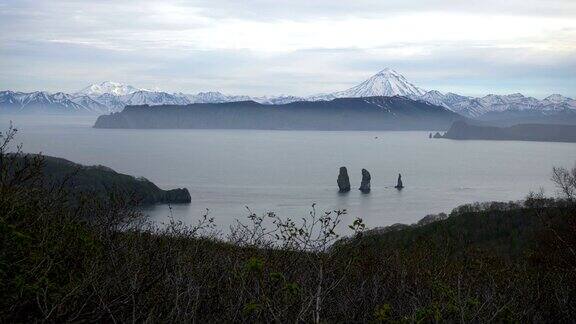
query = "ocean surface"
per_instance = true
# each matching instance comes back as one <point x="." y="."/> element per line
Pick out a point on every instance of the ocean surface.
<point x="287" y="171"/>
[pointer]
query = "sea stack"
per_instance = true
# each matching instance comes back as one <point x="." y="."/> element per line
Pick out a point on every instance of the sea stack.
<point x="399" y="185"/>
<point x="365" y="185"/>
<point x="343" y="180"/>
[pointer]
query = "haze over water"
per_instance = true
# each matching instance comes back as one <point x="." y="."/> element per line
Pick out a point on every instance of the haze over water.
<point x="287" y="171"/>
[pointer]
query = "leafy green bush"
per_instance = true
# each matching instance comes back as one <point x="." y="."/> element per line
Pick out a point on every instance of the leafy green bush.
<point x="100" y="261"/>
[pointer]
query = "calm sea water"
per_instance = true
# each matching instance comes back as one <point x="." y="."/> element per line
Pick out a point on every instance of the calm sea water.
<point x="287" y="171"/>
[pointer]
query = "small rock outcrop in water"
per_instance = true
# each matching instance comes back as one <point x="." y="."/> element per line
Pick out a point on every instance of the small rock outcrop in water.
<point x="343" y="180"/>
<point x="365" y="184"/>
<point x="430" y="135"/>
<point x="399" y="185"/>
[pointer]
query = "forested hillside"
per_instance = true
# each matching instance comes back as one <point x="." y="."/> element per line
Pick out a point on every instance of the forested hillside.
<point x="99" y="261"/>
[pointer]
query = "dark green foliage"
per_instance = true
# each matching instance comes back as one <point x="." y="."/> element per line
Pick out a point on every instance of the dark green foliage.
<point x="95" y="261"/>
<point x="488" y="227"/>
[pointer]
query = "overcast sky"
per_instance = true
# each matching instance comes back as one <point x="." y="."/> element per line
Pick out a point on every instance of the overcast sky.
<point x="300" y="47"/>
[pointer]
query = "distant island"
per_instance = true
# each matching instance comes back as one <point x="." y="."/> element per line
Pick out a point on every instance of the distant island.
<point x="461" y="130"/>
<point x="371" y="113"/>
<point x="101" y="182"/>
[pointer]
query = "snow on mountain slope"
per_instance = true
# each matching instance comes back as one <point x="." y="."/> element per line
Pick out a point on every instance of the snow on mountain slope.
<point x="10" y="101"/>
<point x="112" y="102"/>
<point x="91" y="104"/>
<point x="57" y="102"/>
<point x="277" y="100"/>
<point x="110" y="87"/>
<point x="143" y="97"/>
<point x="451" y="98"/>
<point x="558" y="102"/>
<point x="214" y="97"/>
<point x="386" y="83"/>
<point x="39" y="101"/>
<point x="434" y="97"/>
<point x="475" y="107"/>
<point x="218" y="97"/>
<point x="469" y="107"/>
<point x="499" y="103"/>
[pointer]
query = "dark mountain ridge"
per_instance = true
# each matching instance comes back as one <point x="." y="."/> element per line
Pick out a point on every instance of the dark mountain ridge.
<point x="371" y="113"/>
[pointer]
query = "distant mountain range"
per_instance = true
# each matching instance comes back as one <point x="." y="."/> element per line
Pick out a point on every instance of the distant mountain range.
<point x="110" y="97"/>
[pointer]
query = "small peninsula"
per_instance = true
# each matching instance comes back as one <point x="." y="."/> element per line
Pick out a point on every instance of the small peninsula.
<point x="102" y="181"/>
<point x="461" y="130"/>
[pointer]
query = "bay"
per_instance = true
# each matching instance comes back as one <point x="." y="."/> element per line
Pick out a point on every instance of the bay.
<point x="288" y="171"/>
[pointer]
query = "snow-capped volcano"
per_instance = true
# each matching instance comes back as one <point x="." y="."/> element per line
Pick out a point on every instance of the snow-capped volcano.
<point x="108" y="87"/>
<point x="386" y="83"/>
<point x="389" y="83"/>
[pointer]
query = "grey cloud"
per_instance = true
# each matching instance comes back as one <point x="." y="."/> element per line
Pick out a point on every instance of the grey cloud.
<point x="63" y="45"/>
<point x="295" y="9"/>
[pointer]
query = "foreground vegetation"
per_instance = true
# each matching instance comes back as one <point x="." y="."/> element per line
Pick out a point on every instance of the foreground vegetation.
<point x="98" y="260"/>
